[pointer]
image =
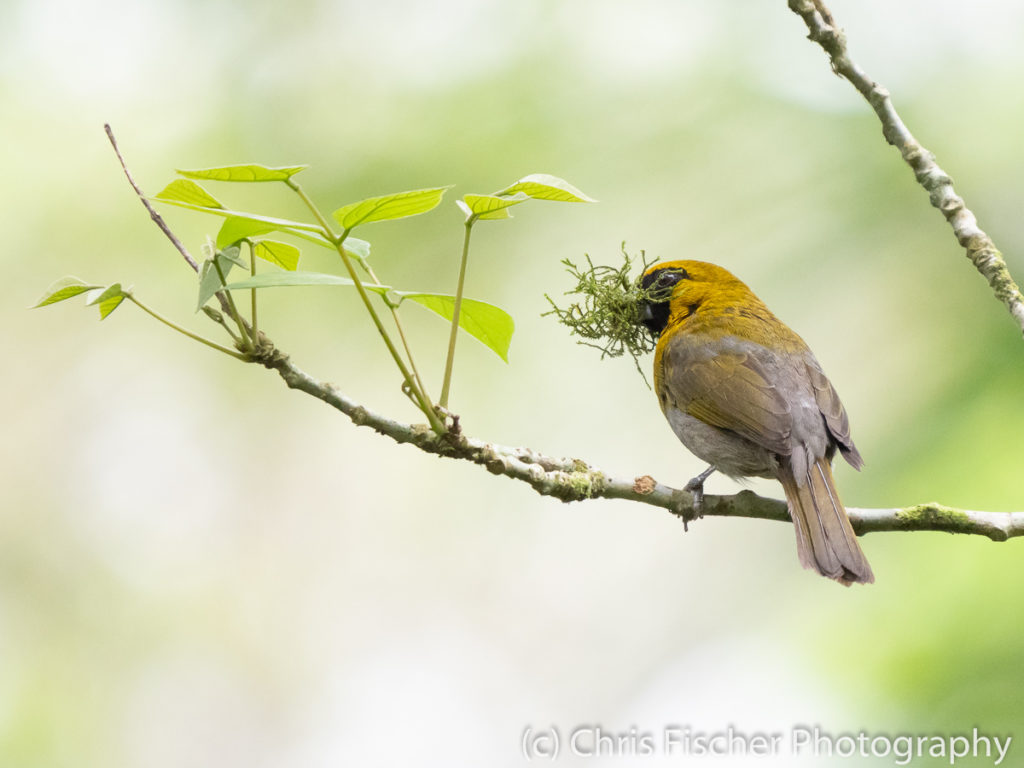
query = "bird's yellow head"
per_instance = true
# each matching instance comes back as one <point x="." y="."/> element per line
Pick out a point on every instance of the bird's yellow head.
<point x="676" y="289"/>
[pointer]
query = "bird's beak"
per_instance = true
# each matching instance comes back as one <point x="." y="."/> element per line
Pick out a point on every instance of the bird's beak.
<point x="646" y="312"/>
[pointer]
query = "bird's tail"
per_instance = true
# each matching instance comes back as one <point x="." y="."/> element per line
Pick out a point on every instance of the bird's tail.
<point x="825" y="540"/>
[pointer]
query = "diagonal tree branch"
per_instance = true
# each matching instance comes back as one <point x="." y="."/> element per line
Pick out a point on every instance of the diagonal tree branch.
<point x="576" y="480"/>
<point x="979" y="246"/>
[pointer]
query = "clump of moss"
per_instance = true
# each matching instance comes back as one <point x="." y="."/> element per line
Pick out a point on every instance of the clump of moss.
<point x="607" y="314"/>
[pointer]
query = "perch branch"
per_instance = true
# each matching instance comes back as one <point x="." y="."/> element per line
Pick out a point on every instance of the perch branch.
<point x="576" y="480"/>
<point x="979" y="246"/>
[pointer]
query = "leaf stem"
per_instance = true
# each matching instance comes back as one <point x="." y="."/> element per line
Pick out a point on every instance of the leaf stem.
<point x="401" y="334"/>
<point x="231" y="306"/>
<point x="446" y="386"/>
<point x="218" y="318"/>
<point x="252" y="271"/>
<point x="424" y="403"/>
<point x="179" y="329"/>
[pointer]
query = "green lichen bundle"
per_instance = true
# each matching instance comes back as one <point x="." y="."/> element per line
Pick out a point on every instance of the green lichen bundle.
<point x="607" y="314"/>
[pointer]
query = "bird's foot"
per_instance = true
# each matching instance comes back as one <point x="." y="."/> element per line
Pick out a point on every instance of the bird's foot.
<point x="696" y="489"/>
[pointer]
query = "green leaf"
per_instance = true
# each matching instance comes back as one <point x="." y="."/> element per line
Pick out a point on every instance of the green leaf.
<point x="293" y="279"/>
<point x="488" y="323"/>
<point x="245" y="173"/>
<point x="491" y="207"/>
<point x="189" y="193"/>
<point x="63" y="289"/>
<point x="209" y="283"/>
<point x="294" y="227"/>
<point x="310" y="232"/>
<point x="284" y="255"/>
<point x="209" y="279"/>
<point x="244" y="225"/>
<point x="231" y="254"/>
<point x="358" y="248"/>
<point x="543" y="186"/>
<point x="109" y="300"/>
<point x="354" y="247"/>
<point x="237" y="228"/>
<point x="396" y="206"/>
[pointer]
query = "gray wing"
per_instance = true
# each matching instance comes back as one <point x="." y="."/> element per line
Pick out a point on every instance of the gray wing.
<point x="730" y="388"/>
<point x="831" y="408"/>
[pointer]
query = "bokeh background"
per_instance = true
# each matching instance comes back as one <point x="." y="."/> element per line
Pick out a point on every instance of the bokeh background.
<point x="199" y="567"/>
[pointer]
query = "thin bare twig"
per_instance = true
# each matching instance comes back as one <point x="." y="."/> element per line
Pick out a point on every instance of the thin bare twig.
<point x="159" y="221"/>
<point x="979" y="246"/>
<point x="156" y="217"/>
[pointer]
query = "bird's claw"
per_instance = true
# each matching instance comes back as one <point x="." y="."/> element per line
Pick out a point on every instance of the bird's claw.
<point x="696" y="490"/>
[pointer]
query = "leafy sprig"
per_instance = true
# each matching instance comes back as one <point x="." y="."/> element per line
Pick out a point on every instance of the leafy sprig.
<point x="247" y="230"/>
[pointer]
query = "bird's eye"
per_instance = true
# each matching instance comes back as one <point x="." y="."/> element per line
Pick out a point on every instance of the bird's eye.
<point x="663" y="279"/>
<point x="671" y="278"/>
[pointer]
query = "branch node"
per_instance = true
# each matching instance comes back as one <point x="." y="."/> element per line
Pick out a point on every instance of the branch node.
<point x="265" y="353"/>
<point x="681" y="505"/>
<point x="536" y="473"/>
<point x="494" y="464"/>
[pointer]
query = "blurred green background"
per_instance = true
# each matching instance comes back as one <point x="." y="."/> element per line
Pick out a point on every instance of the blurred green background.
<point x="199" y="567"/>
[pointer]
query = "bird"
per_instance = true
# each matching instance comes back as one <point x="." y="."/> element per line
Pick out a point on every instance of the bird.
<point x="744" y="393"/>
